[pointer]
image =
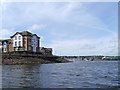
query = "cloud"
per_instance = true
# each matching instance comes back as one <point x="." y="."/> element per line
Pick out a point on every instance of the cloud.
<point x="36" y="27"/>
<point x="72" y="12"/>
<point x="31" y="12"/>
<point x="6" y="33"/>
<point x="102" y="46"/>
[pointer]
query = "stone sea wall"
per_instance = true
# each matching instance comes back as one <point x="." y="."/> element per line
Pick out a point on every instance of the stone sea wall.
<point x="30" y="59"/>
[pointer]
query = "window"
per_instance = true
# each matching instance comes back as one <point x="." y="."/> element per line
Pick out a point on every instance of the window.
<point x="19" y="37"/>
<point x="29" y="48"/>
<point x="15" y="43"/>
<point x="19" y="43"/>
<point x="24" y="42"/>
<point x="25" y="37"/>
<point x="20" y="49"/>
<point x="5" y="49"/>
<point x="24" y="47"/>
<point x="5" y="43"/>
<point x="15" y="37"/>
<point x="29" y="43"/>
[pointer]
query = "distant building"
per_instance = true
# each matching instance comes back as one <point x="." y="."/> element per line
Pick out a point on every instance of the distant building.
<point x="21" y="41"/>
<point x="105" y="57"/>
<point x="47" y="51"/>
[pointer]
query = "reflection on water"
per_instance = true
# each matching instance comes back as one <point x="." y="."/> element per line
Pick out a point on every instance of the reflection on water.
<point x="78" y="74"/>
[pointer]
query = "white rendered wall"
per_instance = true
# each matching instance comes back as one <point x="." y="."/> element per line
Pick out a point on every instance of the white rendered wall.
<point x="4" y="47"/>
<point x="17" y="40"/>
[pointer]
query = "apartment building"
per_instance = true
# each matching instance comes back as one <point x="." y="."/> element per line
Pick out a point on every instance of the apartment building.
<point x="21" y="41"/>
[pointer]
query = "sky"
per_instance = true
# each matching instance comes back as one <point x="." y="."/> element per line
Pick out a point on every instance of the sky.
<point x="70" y="28"/>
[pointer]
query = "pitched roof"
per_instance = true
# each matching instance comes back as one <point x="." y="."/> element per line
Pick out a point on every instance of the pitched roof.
<point x="4" y="40"/>
<point x="24" y="33"/>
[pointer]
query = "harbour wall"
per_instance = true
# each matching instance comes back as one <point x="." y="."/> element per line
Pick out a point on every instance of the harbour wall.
<point x="15" y="59"/>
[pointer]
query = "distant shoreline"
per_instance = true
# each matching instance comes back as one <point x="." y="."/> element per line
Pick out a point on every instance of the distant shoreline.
<point x="107" y="60"/>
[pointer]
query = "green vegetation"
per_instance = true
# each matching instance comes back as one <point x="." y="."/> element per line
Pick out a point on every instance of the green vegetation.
<point x="107" y="60"/>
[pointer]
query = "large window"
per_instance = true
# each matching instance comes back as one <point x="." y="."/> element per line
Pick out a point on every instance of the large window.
<point x="19" y="37"/>
<point x="15" y="37"/>
<point x="29" y="48"/>
<point x="15" y="49"/>
<point x="15" y="43"/>
<point x="19" y="43"/>
<point x="29" y="43"/>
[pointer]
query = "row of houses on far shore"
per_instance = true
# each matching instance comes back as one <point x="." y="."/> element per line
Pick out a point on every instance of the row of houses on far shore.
<point x="24" y="42"/>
